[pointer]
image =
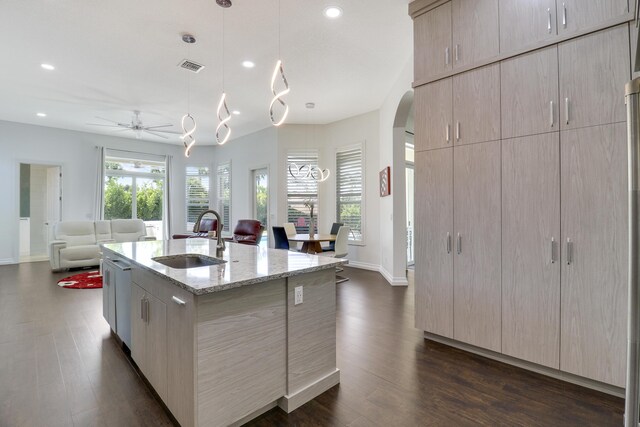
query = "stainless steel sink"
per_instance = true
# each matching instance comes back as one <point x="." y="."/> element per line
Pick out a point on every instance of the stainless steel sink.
<point x="188" y="260"/>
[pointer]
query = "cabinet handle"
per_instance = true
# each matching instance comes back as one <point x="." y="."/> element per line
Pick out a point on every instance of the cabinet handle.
<point x="553" y="250"/>
<point x="566" y="109"/>
<point x="447" y="59"/>
<point x="142" y="309"/>
<point x="569" y="251"/>
<point x="549" y="20"/>
<point x="448" y="132"/>
<point x="637" y="12"/>
<point x="455" y="52"/>
<point x="564" y="15"/>
<point x="459" y="244"/>
<point x="457" y="131"/>
<point x="448" y="242"/>
<point x="178" y="300"/>
<point x="551" y="113"/>
<point x="106" y="277"/>
<point x="146" y="303"/>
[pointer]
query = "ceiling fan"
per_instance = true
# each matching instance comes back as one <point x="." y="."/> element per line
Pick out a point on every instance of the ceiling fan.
<point x="137" y="126"/>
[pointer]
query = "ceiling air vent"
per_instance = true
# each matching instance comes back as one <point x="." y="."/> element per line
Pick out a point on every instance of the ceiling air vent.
<point x="191" y="66"/>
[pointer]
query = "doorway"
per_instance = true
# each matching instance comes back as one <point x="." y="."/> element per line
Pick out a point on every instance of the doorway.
<point x="260" y="199"/>
<point x="409" y="199"/>
<point x="40" y="209"/>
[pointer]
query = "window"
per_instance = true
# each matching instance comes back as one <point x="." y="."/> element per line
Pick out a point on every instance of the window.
<point x="349" y="185"/>
<point x="224" y="194"/>
<point x="134" y="188"/>
<point x="197" y="193"/>
<point x="301" y="192"/>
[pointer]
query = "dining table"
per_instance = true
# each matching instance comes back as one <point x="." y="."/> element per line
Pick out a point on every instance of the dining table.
<point x="311" y="243"/>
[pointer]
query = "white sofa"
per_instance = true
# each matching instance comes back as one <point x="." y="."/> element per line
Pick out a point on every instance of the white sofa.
<point x="77" y="243"/>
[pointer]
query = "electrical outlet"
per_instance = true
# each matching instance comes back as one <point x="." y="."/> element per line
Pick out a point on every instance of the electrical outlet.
<point x="298" y="295"/>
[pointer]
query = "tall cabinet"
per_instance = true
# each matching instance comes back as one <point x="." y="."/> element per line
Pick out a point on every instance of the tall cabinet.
<point x="521" y="193"/>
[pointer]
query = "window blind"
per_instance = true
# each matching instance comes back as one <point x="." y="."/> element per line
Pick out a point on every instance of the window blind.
<point x="224" y="194"/>
<point x="301" y="190"/>
<point x="349" y="191"/>
<point x="197" y="193"/>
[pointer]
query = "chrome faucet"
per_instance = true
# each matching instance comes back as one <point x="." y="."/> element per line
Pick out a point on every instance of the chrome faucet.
<point x="220" y="246"/>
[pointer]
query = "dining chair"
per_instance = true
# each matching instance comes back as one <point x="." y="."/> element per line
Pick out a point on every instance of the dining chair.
<point x="290" y="228"/>
<point x="341" y="250"/>
<point x="280" y="238"/>
<point x="334" y="230"/>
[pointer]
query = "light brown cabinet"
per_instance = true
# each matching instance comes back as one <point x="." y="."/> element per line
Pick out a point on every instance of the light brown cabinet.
<point x="579" y="15"/>
<point x="594" y="252"/>
<point x="476" y="273"/>
<point x="593" y="72"/>
<point x="476" y="105"/>
<point x="434" y="228"/>
<point x="529" y="93"/>
<point x="475" y="31"/>
<point x="525" y="23"/>
<point x="432" y="38"/>
<point x="434" y="105"/>
<point x="530" y="249"/>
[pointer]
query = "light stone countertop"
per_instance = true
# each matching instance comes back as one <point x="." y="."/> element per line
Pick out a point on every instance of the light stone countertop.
<point x="246" y="264"/>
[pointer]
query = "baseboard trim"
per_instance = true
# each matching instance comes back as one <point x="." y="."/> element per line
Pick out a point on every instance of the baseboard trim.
<point x="364" y="265"/>
<point x="550" y="372"/>
<point x="7" y="261"/>
<point x="393" y="281"/>
<point x="291" y="402"/>
<point x="254" y="414"/>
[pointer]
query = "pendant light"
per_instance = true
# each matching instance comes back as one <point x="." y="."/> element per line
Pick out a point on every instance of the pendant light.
<point x="277" y="96"/>
<point x="188" y="123"/>
<point x="223" y="131"/>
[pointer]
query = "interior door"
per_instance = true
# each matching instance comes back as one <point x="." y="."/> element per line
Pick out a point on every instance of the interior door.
<point x="594" y="252"/>
<point x="476" y="273"/>
<point x="54" y="201"/>
<point x="530" y="248"/>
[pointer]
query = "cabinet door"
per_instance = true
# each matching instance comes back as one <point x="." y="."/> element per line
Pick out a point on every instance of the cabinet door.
<point x="156" y="341"/>
<point x="434" y="254"/>
<point x="475" y="31"/>
<point x="593" y="69"/>
<point x="109" y="296"/>
<point x="138" y="327"/>
<point x="432" y="42"/>
<point x="530" y="249"/>
<point x="434" y="115"/>
<point x="524" y="23"/>
<point x="594" y="269"/>
<point x="529" y="93"/>
<point x="579" y="15"/>
<point x="476" y="105"/>
<point x="476" y="272"/>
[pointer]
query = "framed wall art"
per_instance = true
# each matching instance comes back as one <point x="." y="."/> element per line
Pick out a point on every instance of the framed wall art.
<point x="385" y="181"/>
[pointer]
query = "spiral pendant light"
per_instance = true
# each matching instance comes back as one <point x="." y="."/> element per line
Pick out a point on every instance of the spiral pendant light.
<point x="277" y="95"/>
<point x="188" y="122"/>
<point x="223" y="130"/>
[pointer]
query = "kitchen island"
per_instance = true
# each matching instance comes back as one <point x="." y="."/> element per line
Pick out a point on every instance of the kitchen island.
<point x="220" y="344"/>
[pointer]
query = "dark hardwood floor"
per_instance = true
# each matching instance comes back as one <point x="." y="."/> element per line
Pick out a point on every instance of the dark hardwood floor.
<point x="60" y="367"/>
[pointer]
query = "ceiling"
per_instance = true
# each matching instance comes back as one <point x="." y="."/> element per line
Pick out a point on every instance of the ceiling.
<point x="116" y="56"/>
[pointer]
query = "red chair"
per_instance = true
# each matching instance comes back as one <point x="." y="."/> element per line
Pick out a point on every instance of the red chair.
<point x="248" y="232"/>
<point x="206" y="225"/>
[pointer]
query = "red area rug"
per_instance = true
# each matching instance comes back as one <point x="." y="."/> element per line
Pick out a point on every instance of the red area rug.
<point x="88" y="280"/>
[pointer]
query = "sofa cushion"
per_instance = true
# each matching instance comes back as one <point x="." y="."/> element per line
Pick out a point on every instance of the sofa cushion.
<point x="103" y="230"/>
<point x="79" y="253"/>
<point x="127" y="230"/>
<point x="76" y="233"/>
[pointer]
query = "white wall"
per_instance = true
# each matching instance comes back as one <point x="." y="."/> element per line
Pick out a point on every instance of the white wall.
<point x="76" y="153"/>
<point x="392" y="208"/>
<point x="247" y="153"/>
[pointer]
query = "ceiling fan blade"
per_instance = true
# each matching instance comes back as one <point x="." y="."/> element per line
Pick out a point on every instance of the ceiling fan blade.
<point x="173" y="132"/>
<point x="99" y="124"/>
<point x="122" y="129"/>
<point x="106" y="120"/>
<point x="155" y="134"/>
<point x="157" y="126"/>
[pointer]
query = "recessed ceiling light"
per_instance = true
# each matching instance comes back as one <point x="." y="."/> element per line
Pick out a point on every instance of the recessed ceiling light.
<point x="310" y="105"/>
<point x="248" y="64"/>
<point x="41" y="115"/>
<point x="48" y="67"/>
<point x="333" y="12"/>
<point x="236" y="112"/>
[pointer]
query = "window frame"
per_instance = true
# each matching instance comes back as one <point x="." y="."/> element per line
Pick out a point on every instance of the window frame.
<point x="227" y="229"/>
<point x="342" y="149"/>
<point x="187" y="199"/>
<point x="301" y="153"/>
